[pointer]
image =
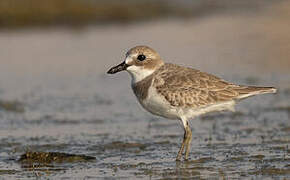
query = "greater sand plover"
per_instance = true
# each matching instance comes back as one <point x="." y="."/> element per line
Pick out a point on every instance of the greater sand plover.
<point x="182" y="93"/>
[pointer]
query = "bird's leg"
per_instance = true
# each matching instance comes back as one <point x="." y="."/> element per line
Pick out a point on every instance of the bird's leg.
<point x="181" y="148"/>
<point x="186" y="140"/>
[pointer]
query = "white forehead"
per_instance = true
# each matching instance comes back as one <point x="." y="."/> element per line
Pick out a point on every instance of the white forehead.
<point x="129" y="59"/>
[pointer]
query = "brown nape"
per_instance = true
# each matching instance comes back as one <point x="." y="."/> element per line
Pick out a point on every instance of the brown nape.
<point x="153" y="64"/>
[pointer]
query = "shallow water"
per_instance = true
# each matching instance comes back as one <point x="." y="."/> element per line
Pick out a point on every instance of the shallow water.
<point x="69" y="105"/>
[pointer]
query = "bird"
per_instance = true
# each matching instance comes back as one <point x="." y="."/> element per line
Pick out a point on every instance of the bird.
<point x="182" y="93"/>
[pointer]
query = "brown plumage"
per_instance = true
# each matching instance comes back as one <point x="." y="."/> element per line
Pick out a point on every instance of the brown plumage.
<point x="188" y="87"/>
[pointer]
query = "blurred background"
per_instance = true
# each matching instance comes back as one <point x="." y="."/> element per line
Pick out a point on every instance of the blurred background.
<point x="55" y="95"/>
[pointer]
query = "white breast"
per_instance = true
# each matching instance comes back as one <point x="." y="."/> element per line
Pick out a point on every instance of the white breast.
<point x="158" y="105"/>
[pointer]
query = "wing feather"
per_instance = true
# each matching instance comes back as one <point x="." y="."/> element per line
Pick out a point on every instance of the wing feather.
<point x="188" y="87"/>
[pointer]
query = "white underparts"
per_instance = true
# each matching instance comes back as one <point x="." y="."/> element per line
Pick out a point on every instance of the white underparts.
<point x="191" y="113"/>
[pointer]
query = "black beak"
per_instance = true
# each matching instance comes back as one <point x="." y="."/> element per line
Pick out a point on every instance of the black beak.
<point x="121" y="67"/>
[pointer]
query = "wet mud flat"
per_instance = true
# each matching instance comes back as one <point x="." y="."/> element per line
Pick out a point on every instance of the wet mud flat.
<point x="252" y="142"/>
<point x="96" y="136"/>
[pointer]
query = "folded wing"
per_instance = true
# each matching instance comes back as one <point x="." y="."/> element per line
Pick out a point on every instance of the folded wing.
<point x="188" y="87"/>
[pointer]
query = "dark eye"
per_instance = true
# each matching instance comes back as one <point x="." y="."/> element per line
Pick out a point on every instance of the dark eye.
<point x="141" y="57"/>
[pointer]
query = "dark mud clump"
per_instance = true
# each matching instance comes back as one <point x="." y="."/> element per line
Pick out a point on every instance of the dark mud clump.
<point x="53" y="157"/>
<point x="259" y="157"/>
<point x="11" y="106"/>
<point x="7" y="171"/>
<point x="202" y="160"/>
<point x="123" y="145"/>
<point x="272" y="171"/>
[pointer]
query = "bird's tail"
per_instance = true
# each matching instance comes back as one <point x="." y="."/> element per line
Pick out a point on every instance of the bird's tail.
<point x="247" y="91"/>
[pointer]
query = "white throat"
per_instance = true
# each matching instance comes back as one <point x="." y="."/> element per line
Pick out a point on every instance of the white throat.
<point x="138" y="73"/>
